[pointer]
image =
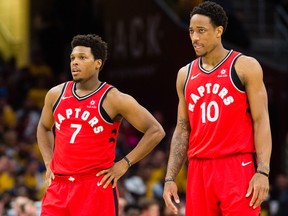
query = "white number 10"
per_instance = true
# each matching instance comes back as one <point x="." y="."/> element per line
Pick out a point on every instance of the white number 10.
<point x="206" y="112"/>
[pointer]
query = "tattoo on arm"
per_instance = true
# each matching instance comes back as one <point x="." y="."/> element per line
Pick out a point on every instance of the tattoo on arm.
<point x="261" y="164"/>
<point x="179" y="145"/>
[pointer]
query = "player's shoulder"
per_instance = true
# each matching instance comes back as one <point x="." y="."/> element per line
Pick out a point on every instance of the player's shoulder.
<point x="54" y="93"/>
<point x="113" y="91"/>
<point x="248" y="67"/>
<point x="185" y="68"/>
<point x="115" y="95"/>
<point x="57" y="89"/>
<point x="117" y="101"/>
<point x="245" y="61"/>
<point x="183" y="72"/>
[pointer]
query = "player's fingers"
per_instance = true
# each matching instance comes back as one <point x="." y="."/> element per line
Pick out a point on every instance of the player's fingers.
<point x="101" y="172"/>
<point x="109" y="180"/>
<point x="249" y="190"/>
<point x="167" y="199"/>
<point x="176" y="198"/>
<point x="169" y="203"/>
<point x="115" y="180"/>
<point x="104" y="179"/>
<point x="48" y="182"/>
<point x="49" y="177"/>
<point x="261" y="197"/>
<point x="254" y="197"/>
<point x="52" y="176"/>
<point x="257" y="203"/>
<point x="173" y="208"/>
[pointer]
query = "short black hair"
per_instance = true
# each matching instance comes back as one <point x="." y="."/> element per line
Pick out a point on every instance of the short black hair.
<point x="98" y="47"/>
<point x="214" y="11"/>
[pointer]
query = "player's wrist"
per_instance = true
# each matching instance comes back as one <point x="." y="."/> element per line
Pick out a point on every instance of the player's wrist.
<point x="127" y="161"/>
<point x="47" y="165"/>
<point x="169" y="179"/>
<point x="263" y="173"/>
<point x="263" y="167"/>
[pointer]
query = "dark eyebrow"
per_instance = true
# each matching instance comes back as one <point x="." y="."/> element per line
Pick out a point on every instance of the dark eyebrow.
<point x="75" y="54"/>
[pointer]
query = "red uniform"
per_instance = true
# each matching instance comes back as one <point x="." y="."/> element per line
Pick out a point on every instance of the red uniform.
<point x="221" y="133"/>
<point x="85" y="143"/>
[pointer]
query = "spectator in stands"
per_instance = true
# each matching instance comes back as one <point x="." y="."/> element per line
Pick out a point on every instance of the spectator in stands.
<point x="23" y="206"/>
<point x="7" y="171"/>
<point x="279" y="196"/>
<point x="132" y="210"/>
<point x="149" y="207"/>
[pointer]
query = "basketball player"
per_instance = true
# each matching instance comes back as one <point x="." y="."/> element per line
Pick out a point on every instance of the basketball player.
<point x="222" y="123"/>
<point x="77" y="136"/>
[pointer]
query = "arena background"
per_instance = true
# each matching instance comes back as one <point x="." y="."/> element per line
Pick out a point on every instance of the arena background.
<point x="148" y="42"/>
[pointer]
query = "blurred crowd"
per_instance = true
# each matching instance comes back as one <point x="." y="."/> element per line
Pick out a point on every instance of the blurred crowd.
<point x="22" y="92"/>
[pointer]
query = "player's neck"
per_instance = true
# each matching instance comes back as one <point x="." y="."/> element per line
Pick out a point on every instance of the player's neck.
<point x="85" y="87"/>
<point x="214" y="58"/>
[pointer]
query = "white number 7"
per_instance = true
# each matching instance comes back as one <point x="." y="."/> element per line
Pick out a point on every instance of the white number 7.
<point x="78" y="128"/>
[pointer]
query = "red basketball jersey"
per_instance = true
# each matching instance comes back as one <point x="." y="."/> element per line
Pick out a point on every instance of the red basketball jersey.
<point x="218" y="110"/>
<point x="85" y="136"/>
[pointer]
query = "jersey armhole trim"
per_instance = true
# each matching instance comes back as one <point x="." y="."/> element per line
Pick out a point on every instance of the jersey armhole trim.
<point x="188" y="75"/>
<point x="57" y="101"/>
<point x="235" y="78"/>
<point x="103" y="112"/>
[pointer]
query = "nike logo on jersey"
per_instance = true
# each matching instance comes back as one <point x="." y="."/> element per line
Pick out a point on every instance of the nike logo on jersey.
<point x="245" y="164"/>
<point x="193" y="77"/>
<point x="63" y="98"/>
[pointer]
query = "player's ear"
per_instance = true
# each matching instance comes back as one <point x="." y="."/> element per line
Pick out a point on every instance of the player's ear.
<point x="98" y="64"/>
<point x="219" y="31"/>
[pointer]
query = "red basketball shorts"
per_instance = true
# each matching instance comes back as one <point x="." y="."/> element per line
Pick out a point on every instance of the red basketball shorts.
<point x="218" y="187"/>
<point x="79" y="195"/>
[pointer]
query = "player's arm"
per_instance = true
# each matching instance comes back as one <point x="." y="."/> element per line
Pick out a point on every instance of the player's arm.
<point x="251" y="75"/>
<point x="141" y="119"/>
<point x="45" y="137"/>
<point x="179" y="144"/>
<point x="119" y="105"/>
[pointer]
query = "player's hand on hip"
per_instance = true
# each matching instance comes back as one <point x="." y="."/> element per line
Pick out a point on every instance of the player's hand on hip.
<point x="112" y="175"/>
<point x="49" y="177"/>
<point x="170" y="190"/>
<point x="259" y="188"/>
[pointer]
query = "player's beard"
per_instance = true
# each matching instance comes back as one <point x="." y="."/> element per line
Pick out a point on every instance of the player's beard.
<point x="77" y="80"/>
<point x="201" y="54"/>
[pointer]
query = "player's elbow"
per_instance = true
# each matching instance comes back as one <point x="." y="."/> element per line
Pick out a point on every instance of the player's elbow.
<point x="159" y="132"/>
